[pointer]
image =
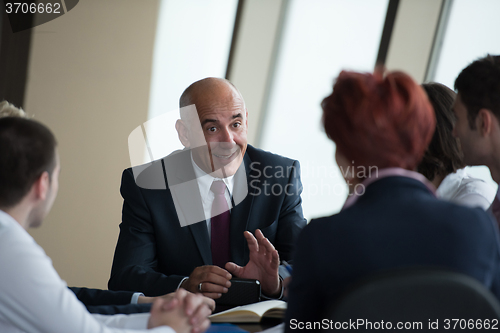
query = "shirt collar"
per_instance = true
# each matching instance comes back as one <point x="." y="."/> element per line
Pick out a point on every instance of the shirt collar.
<point x="205" y="180"/>
<point x="451" y="183"/>
<point x="389" y="172"/>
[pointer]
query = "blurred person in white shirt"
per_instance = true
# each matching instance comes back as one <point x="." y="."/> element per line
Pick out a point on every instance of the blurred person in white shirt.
<point x="34" y="298"/>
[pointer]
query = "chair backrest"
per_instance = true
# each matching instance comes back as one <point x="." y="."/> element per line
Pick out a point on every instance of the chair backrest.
<point x="422" y="300"/>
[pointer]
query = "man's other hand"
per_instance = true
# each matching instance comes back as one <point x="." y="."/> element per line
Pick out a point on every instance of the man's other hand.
<point x="263" y="264"/>
<point x="169" y="297"/>
<point x="213" y="280"/>
<point x="184" y="313"/>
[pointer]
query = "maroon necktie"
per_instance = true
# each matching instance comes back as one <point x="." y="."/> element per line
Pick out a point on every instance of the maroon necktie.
<point x="220" y="225"/>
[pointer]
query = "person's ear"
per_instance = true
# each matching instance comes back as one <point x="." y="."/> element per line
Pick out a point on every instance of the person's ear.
<point x="41" y="186"/>
<point x="182" y="132"/>
<point x="246" y="118"/>
<point x="484" y="121"/>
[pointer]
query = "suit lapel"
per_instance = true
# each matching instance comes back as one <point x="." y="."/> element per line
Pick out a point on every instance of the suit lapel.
<point x="187" y="200"/>
<point x="200" y="235"/>
<point x="243" y="196"/>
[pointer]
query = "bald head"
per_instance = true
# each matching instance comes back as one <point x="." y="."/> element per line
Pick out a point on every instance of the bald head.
<point x="209" y="89"/>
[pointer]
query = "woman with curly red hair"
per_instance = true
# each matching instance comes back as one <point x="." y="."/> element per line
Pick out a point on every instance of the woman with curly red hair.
<point x="381" y="125"/>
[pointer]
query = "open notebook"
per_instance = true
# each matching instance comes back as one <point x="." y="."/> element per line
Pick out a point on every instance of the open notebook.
<point x="251" y="313"/>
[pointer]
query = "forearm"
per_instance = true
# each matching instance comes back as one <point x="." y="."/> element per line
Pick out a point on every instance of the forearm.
<point x="147" y="281"/>
<point x="93" y="297"/>
<point x="119" y="309"/>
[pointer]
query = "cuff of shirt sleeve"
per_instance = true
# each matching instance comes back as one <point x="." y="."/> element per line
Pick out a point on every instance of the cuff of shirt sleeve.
<point x="184" y="279"/>
<point x="264" y="297"/>
<point x="135" y="298"/>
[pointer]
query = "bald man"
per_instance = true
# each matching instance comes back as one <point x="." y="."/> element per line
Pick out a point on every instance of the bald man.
<point x="194" y="225"/>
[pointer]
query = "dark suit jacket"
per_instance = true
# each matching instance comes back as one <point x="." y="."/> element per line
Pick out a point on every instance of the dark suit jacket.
<point x="108" y="302"/>
<point x="397" y="223"/>
<point x="154" y="252"/>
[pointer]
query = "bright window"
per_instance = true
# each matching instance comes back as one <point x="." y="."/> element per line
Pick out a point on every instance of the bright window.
<point x="193" y="40"/>
<point x="321" y="37"/>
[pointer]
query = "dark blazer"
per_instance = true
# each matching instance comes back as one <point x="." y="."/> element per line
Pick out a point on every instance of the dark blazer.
<point x="397" y="223"/>
<point x="108" y="302"/>
<point x="154" y="252"/>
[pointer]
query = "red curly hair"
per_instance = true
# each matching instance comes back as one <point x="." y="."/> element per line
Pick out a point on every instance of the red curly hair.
<point x="377" y="120"/>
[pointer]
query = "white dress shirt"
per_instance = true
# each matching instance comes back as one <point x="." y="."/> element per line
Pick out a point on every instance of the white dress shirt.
<point x="135" y="298"/>
<point x="33" y="298"/>
<point x="462" y="189"/>
<point x="205" y="181"/>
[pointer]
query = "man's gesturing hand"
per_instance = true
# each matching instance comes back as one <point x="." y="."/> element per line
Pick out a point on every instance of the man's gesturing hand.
<point x="263" y="265"/>
<point x="214" y="281"/>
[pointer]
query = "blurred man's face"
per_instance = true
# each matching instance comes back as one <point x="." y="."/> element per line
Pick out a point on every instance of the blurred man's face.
<point x="223" y="120"/>
<point x="469" y="138"/>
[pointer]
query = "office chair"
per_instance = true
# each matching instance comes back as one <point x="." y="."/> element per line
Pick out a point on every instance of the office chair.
<point x="437" y="299"/>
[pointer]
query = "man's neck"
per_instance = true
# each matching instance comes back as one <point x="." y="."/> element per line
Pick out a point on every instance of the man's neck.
<point x="438" y="179"/>
<point x="493" y="163"/>
<point x="20" y="213"/>
<point x="493" y="157"/>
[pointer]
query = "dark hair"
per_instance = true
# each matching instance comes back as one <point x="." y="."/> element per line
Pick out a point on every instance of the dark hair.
<point x="479" y="87"/>
<point x="27" y="149"/>
<point x="379" y="121"/>
<point x="443" y="156"/>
